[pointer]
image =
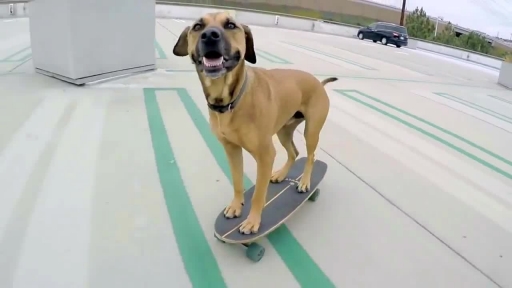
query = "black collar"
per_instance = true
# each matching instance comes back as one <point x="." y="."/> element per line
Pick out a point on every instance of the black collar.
<point x="230" y="106"/>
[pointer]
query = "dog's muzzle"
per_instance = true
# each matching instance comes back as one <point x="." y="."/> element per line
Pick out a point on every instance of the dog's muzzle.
<point x="212" y="52"/>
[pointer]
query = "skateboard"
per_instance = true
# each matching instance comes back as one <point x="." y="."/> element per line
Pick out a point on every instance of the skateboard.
<point x="283" y="200"/>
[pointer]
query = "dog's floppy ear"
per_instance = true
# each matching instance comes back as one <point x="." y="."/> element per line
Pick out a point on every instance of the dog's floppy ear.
<point x="250" y="55"/>
<point x="181" y="47"/>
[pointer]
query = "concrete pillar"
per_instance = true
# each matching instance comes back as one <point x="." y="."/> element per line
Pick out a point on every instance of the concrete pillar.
<point x="505" y="76"/>
<point x="80" y="41"/>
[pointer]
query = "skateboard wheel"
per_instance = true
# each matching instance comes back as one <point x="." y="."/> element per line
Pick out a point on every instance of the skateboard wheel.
<point x="314" y="196"/>
<point x="255" y="252"/>
<point x="218" y="238"/>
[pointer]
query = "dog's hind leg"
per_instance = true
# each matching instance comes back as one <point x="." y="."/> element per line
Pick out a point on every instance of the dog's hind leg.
<point x="315" y="115"/>
<point x="285" y="136"/>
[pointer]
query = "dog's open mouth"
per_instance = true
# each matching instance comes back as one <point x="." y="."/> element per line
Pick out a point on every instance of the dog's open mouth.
<point x="215" y="64"/>
<point x="213" y="60"/>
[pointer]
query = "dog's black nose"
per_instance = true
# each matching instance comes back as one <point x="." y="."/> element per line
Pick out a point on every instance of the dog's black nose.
<point x="210" y="35"/>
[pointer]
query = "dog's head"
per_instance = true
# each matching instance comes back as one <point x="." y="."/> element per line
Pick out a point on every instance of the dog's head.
<point x="217" y="44"/>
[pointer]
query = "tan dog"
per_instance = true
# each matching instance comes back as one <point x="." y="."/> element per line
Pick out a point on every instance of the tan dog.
<point x="249" y="105"/>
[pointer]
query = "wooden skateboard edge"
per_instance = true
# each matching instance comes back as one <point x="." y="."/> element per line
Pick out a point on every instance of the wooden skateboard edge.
<point x="252" y="240"/>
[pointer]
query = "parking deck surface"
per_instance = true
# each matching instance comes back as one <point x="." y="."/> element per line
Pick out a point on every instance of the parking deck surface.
<point x="118" y="183"/>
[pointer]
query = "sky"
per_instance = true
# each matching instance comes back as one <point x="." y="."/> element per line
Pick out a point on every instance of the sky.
<point x="489" y="16"/>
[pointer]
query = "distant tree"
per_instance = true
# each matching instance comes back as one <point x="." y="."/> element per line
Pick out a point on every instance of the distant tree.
<point x="419" y="25"/>
<point x="472" y="41"/>
<point x="447" y="36"/>
<point x="508" y="57"/>
<point x="476" y="42"/>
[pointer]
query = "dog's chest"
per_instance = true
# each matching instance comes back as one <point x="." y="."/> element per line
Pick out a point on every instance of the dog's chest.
<point x="224" y="131"/>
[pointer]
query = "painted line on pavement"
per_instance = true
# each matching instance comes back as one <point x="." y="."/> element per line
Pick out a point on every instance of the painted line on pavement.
<point x="18" y="56"/>
<point x="480" y="108"/>
<point x="23" y="152"/>
<point x="470" y="111"/>
<point x="271" y="57"/>
<point x="55" y="252"/>
<point x="160" y="51"/>
<point x="500" y="99"/>
<point x="431" y="135"/>
<point x="299" y="262"/>
<point x="198" y="258"/>
<point x="484" y="193"/>
<point x="332" y="56"/>
<point x="351" y="77"/>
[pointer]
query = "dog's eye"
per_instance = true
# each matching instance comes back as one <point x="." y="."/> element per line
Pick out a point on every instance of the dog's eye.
<point x="197" y="27"/>
<point x="230" y="25"/>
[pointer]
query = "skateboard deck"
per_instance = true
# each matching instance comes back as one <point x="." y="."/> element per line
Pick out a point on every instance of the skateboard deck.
<point x="283" y="200"/>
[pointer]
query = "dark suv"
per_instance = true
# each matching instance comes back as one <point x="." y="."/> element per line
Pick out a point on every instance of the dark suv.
<point x="386" y="33"/>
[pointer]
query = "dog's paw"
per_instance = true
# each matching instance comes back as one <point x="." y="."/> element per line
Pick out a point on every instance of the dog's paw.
<point x="251" y="224"/>
<point x="278" y="176"/>
<point x="303" y="186"/>
<point x="234" y="209"/>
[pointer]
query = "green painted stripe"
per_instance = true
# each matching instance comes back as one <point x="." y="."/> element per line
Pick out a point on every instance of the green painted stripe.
<point x="160" y="51"/>
<point x="26" y="58"/>
<point x="376" y="57"/>
<point x="500" y="99"/>
<point x="424" y="121"/>
<point x="271" y="57"/>
<point x="9" y="58"/>
<point x="260" y="55"/>
<point x="299" y="262"/>
<point x="198" y="258"/>
<point x="475" y="106"/>
<point x="11" y="73"/>
<point x="424" y="132"/>
<point x="330" y="56"/>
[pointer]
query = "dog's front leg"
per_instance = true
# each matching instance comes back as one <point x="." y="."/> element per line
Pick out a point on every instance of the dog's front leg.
<point x="264" y="156"/>
<point x="236" y="165"/>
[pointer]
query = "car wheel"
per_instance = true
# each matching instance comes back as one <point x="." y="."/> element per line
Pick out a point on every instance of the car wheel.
<point x="360" y="36"/>
<point x="398" y="46"/>
<point x="384" y="41"/>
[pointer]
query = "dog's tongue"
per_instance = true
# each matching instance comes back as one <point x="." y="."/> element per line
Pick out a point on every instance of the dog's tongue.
<point x="212" y="62"/>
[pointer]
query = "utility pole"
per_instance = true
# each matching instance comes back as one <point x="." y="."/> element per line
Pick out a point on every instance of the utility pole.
<point x="403" y="13"/>
<point x="437" y="24"/>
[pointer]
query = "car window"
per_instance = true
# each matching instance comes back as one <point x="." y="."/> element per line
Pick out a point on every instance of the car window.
<point x="373" y="26"/>
<point x="395" y="28"/>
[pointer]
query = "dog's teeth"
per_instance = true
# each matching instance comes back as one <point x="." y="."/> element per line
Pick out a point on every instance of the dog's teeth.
<point x="213" y="62"/>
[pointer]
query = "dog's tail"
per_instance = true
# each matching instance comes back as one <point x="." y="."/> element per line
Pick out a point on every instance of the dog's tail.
<point x="329" y="80"/>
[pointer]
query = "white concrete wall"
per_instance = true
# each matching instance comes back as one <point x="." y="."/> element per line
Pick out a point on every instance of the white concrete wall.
<point x="313" y="25"/>
<point x="328" y="28"/>
<point x="462" y="54"/>
<point x="412" y="44"/>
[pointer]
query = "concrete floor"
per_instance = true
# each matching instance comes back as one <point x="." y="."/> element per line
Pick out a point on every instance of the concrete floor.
<point x="118" y="184"/>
